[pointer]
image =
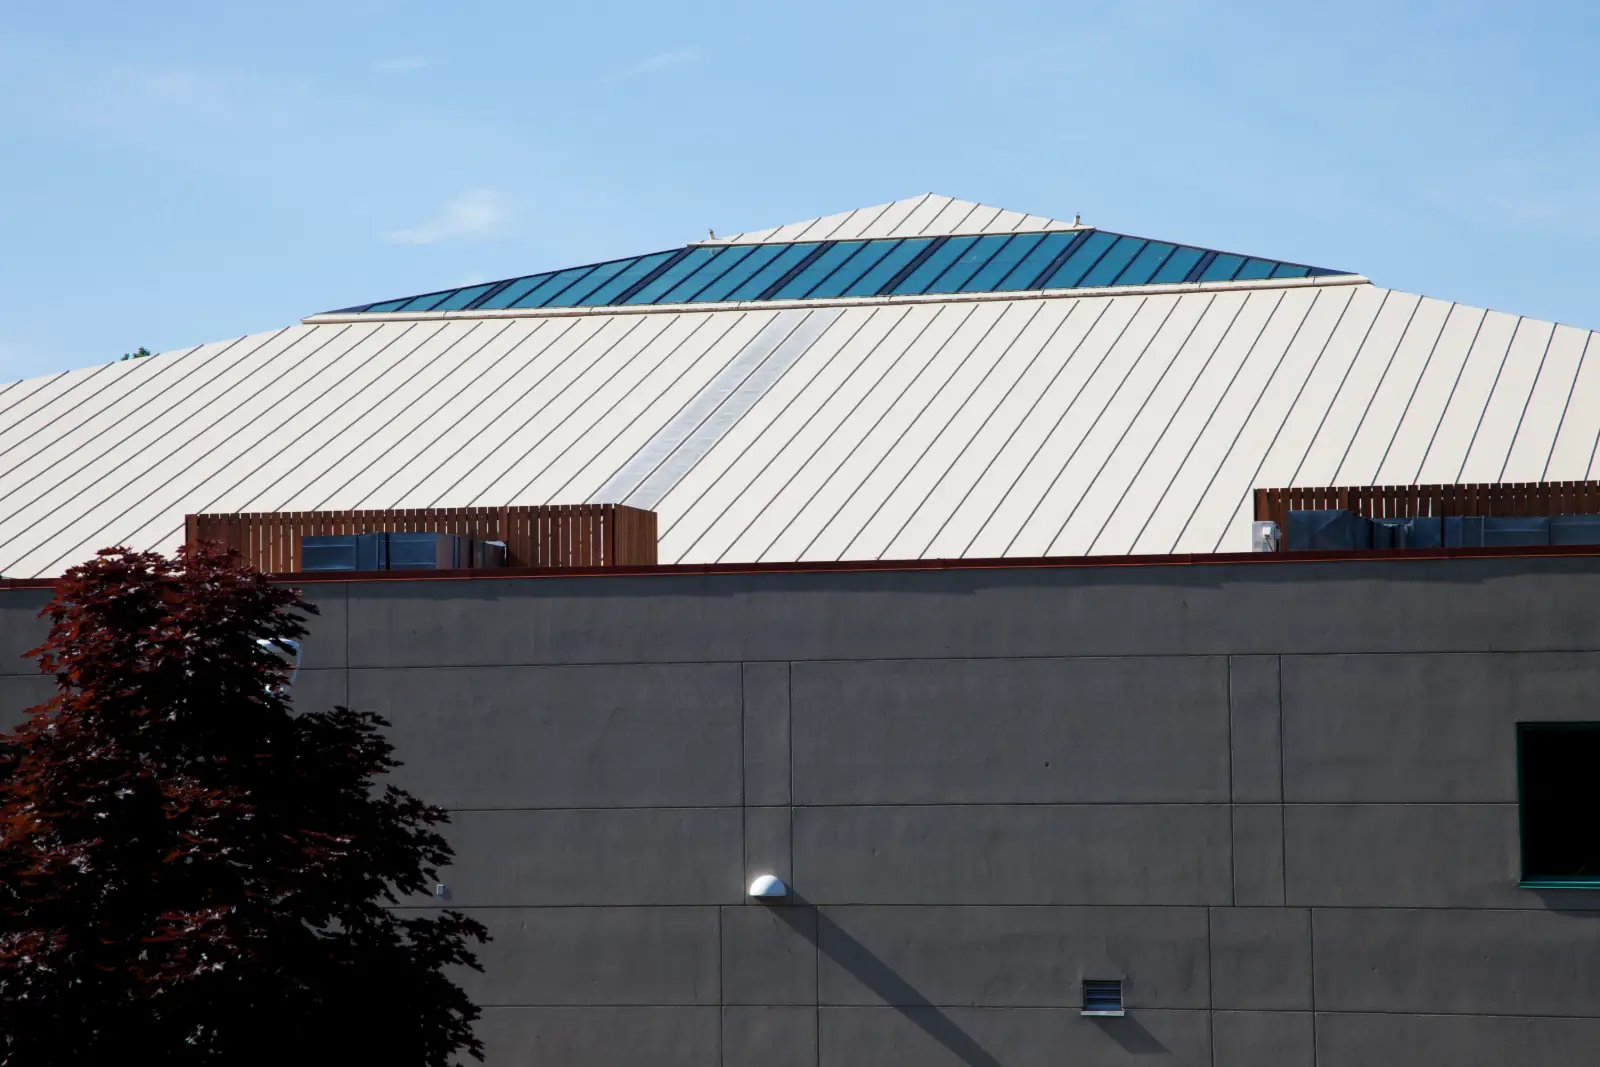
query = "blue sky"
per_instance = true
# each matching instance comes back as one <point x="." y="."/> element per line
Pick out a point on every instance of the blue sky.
<point x="179" y="172"/>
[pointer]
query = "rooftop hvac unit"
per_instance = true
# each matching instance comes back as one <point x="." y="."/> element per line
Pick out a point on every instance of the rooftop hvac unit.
<point x="399" y="552"/>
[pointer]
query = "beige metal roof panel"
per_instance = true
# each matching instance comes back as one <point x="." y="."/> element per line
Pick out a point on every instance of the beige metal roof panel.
<point x="1541" y="417"/>
<point x="1194" y="504"/>
<point x="1577" y="433"/>
<point x="1171" y="502"/>
<point x="1490" y="450"/>
<point x="1134" y="420"/>
<point x="1045" y="439"/>
<point x="1353" y="395"/>
<point x="1389" y="398"/>
<point x="1419" y="423"/>
<point x="1469" y="398"/>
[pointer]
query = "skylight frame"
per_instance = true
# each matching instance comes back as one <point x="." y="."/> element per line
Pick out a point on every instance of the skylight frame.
<point x="877" y="267"/>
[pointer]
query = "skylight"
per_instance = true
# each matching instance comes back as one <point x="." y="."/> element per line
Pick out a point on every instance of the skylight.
<point x="817" y="270"/>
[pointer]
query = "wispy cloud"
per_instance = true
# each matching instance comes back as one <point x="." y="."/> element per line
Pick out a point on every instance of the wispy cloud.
<point x="399" y="65"/>
<point x="472" y="214"/>
<point x="656" y="64"/>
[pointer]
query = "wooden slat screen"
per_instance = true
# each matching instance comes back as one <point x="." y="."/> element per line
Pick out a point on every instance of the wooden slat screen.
<point x="559" y="535"/>
<point x="1409" y="501"/>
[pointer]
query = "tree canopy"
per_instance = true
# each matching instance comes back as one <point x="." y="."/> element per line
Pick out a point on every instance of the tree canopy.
<point x="192" y="872"/>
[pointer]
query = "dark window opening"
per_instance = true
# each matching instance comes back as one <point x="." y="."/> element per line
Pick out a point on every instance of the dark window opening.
<point x="1559" y="803"/>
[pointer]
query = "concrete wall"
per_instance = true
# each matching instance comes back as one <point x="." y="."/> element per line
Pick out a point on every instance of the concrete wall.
<point x="1276" y="799"/>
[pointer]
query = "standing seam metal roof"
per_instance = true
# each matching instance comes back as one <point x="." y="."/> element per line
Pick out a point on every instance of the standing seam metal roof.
<point x="1007" y="424"/>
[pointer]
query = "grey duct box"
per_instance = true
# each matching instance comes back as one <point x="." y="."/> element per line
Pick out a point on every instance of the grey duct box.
<point x="344" y="552"/>
<point x="1422" y="531"/>
<point x="1463" y="531"/>
<point x="1575" y="530"/>
<point x="424" y="551"/>
<point x="1335" y="530"/>
<point x="1516" y="530"/>
<point x="398" y="552"/>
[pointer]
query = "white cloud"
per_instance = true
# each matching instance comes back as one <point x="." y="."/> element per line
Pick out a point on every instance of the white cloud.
<point x="473" y="213"/>
<point x="399" y="65"/>
<point x="656" y="64"/>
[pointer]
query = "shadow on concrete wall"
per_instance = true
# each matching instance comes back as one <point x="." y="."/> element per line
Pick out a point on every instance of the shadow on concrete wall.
<point x="887" y="985"/>
<point x="829" y="939"/>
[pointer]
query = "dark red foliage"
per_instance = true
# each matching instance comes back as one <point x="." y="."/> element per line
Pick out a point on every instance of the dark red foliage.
<point x="193" y="873"/>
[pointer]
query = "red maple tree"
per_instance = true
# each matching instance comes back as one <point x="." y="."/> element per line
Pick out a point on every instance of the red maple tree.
<point x="193" y="872"/>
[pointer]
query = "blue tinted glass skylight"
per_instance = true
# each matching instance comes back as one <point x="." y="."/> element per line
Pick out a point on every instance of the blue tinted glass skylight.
<point x="883" y="271"/>
<point x="1222" y="269"/>
<point x="581" y="287"/>
<point x="1113" y="262"/>
<point x="969" y="263"/>
<point x="719" y="264"/>
<point x="667" y="280"/>
<point x="771" y="274"/>
<point x="1177" y="266"/>
<point x="635" y="271"/>
<point x="1254" y="270"/>
<point x="552" y="286"/>
<point x="820" y="270"/>
<point x="1076" y="265"/>
<point x="515" y="291"/>
<point x="422" y="303"/>
<point x="1026" y="273"/>
<point x="852" y="270"/>
<point x="462" y="297"/>
<point x="988" y="277"/>
<point x="938" y="260"/>
<point x="739" y="273"/>
<point x="1144" y="265"/>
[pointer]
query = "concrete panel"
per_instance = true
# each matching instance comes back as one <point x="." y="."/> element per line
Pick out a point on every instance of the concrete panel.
<point x="1261" y="958"/>
<point x="769" y="1037"/>
<point x="1409" y="856"/>
<point x="1456" y="1041"/>
<point x="1015" y="1037"/>
<point x="1088" y="610"/>
<point x="768" y="844"/>
<point x="1003" y="854"/>
<point x="530" y="737"/>
<point x="766" y="733"/>
<point x="1255" y="728"/>
<point x="1457" y="962"/>
<point x="1269" y="1039"/>
<point x="20" y="692"/>
<point x="328" y="640"/>
<point x="1011" y="731"/>
<point x="769" y="955"/>
<point x="599" y="1037"/>
<point x="595" y="857"/>
<point x="21" y="628"/>
<point x="1010" y="957"/>
<point x="322" y="689"/>
<point x="593" y="956"/>
<point x="1258" y="854"/>
<point x="1427" y="728"/>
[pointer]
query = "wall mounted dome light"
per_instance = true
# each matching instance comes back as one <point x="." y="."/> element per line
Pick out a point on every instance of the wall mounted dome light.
<point x="768" y="887"/>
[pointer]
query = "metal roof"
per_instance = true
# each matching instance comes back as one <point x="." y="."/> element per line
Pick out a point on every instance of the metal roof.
<point x="1032" y="423"/>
